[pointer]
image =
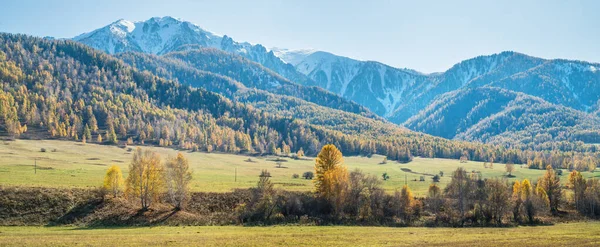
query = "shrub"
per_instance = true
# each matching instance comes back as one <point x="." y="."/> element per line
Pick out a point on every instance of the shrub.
<point x="262" y="206"/>
<point x="308" y="175"/>
<point x="295" y="175"/>
<point x="264" y="174"/>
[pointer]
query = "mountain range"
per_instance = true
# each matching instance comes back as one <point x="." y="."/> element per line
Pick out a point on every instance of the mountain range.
<point x="465" y="102"/>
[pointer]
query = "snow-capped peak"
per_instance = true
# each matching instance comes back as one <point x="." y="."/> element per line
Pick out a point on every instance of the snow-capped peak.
<point x="161" y="35"/>
<point x="293" y="57"/>
<point x="122" y="27"/>
<point x="157" y="35"/>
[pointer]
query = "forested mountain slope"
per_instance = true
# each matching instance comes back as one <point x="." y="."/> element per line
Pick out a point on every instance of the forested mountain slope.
<point x="393" y="93"/>
<point x="499" y="116"/>
<point x="61" y="89"/>
<point x="274" y="103"/>
<point x="574" y="84"/>
<point x="238" y="69"/>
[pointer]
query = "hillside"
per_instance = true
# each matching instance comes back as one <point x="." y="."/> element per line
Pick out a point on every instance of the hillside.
<point x="499" y="116"/>
<point x="398" y="94"/>
<point x="70" y="91"/>
<point x="367" y="87"/>
<point x="377" y="86"/>
<point x="62" y="89"/>
<point x="198" y="67"/>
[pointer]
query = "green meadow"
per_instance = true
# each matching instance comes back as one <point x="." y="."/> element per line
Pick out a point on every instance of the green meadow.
<point x="73" y="164"/>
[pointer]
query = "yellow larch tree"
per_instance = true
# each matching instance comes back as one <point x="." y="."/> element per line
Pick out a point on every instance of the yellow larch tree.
<point x="113" y="181"/>
<point x="331" y="179"/>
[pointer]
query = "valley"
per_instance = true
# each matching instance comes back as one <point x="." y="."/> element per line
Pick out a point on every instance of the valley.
<point x="69" y="164"/>
<point x="156" y="131"/>
<point x="395" y="94"/>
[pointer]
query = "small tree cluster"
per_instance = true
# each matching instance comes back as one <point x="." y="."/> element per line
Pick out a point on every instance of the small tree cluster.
<point x="149" y="179"/>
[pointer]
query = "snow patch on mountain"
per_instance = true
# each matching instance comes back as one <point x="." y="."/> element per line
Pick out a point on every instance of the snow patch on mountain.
<point x="375" y="85"/>
<point x="293" y="57"/>
<point x="161" y="35"/>
<point x="339" y="70"/>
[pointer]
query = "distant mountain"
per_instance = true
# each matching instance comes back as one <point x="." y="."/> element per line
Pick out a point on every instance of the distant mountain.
<point x="399" y="94"/>
<point x="285" y="99"/>
<point x="507" y="98"/>
<point x="60" y="89"/>
<point x="161" y="35"/>
<point x="499" y="116"/>
<point x="574" y="84"/>
<point x="474" y="72"/>
<point x="402" y="96"/>
<point x="377" y="86"/>
<point x="192" y="66"/>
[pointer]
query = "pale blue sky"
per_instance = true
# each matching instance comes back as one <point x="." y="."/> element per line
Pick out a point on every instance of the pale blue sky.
<point x="428" y="36"/>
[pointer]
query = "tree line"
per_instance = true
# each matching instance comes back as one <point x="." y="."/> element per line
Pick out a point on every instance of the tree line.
<point x="150" y="180"/>
<point x="340" y="196"/>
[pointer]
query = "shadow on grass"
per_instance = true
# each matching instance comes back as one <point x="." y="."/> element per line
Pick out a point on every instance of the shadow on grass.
<point x="138" y="220"/>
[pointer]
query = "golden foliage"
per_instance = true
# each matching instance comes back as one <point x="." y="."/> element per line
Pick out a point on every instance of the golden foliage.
<point x="146" y="177"/>
<point x="178" y="178"/>
<point x="331" y="180"/>
<point x="517" y="188"/>
<point x="407" y="199"/>
<point x="550" y="184"/>
<point x="434" y="190"/>
<point x="526" y="189"/>
<point x="328" y="159"/>
<point x="113" y="181"/>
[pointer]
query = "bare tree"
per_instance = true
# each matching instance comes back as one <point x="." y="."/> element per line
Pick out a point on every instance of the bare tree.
<point x="460" y="190"/>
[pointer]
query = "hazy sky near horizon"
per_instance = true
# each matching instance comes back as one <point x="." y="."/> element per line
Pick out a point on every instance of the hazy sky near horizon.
<point x="428" y="36"/>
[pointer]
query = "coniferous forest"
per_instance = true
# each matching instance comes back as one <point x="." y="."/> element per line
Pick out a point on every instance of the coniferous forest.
<point x="65" y="90"/>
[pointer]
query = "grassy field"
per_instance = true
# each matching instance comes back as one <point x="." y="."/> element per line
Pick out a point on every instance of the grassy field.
<point x="72" y="164"/>
<point x="572" y="234"/>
